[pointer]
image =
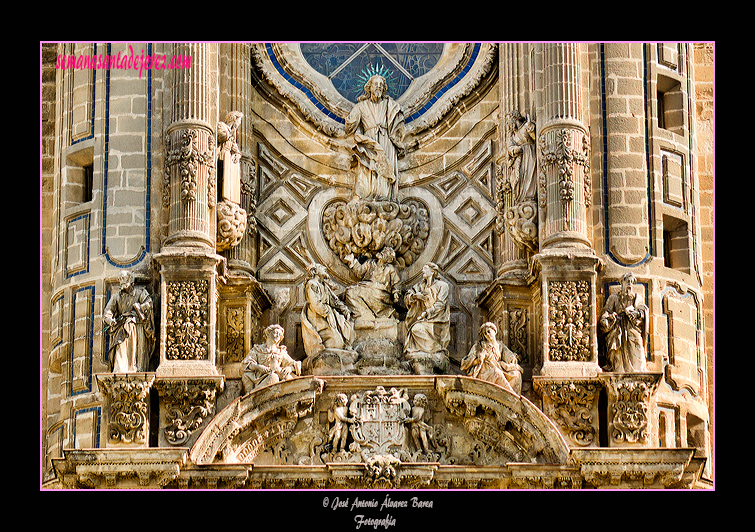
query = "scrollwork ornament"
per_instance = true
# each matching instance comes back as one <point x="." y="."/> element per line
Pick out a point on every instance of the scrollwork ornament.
<point x="188" y="404"/>
<point x="573" y="404"/>
<point x="249" y="195"/>
<point x="187" y="320"/>
<point x="562" y="155"/>
<point x="630" y="419"/>
<point x="128" y="410"/>
<point x="188" y="158"/>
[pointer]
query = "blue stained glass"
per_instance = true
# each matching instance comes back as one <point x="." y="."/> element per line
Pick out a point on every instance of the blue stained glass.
<point x="349" y="65"/>
<point x="415" y="59"/>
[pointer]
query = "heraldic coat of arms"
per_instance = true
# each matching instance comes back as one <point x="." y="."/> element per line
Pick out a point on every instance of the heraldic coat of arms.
<point x="379" y="419"/>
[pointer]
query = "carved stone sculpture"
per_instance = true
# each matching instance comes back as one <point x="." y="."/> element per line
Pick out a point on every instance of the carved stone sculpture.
<point x="232" y="218"/>
<point x="521" y="182"/>
<point x="421" y="431"/>
<point x="327" y="329"/>
<point x="363" y="228"/>
<point x="129" y="320"/>
<point x="227" y="133"/>
<point x="268" y="363"/>
<point x="487" y="362"/>
<point x="128" y="408"/>
<point x="377" y="125"/>
<point x="624" y="322"/>
<point x="188" y="402"/>
<point x="339" y="416"/>
<point x="379" y="288"/>
<point x="378" y="427"/>
<point x="428" y="322"/>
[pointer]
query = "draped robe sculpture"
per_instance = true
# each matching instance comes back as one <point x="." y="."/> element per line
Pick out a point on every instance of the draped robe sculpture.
<point x="624" y="322"/>
<point x="428" y="322"/>
<point x="268" y="363"/>
<point x="325" y="320"/>
<point x="129" y="319"/>
<point x="486" y="361"/>
<point x="377" y="124"/>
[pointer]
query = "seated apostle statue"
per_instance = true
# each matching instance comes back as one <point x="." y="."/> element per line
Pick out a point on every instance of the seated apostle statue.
<point x="269" y="362"/>
<point x="428" y="322"/>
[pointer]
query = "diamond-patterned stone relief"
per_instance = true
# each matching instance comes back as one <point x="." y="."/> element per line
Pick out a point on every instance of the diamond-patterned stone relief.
<point x="470" y="211"/>
<point x="280" y="212"/>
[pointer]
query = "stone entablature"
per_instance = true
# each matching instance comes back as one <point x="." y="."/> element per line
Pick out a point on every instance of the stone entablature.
<point x="482" y="437"/>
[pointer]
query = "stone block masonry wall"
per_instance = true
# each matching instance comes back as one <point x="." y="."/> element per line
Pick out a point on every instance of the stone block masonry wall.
<point x="128" y="165"/>
<point x="704" y="79"/>
<point x="626" y="178"/>
<point x="49" y="54"/>
<point x="97" y="190"/>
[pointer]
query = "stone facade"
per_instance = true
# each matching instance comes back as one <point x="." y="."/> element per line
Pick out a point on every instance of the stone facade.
<point x="524" y="183"/>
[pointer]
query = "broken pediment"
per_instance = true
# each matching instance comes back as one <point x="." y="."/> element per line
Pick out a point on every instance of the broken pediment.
<point x="431" y="422"/>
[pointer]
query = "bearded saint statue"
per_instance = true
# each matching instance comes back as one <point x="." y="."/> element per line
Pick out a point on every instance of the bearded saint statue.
<point x="377" y="125"/>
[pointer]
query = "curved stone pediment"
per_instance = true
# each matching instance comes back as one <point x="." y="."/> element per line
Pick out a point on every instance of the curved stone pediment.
<point x="388" y="421"/>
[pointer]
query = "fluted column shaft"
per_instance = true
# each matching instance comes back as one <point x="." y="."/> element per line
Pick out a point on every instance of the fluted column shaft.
<point x="563" y="150"/>
<point x="511" y="256"/>
<point x="236" y="94"/>
<point x="190" y="169"/>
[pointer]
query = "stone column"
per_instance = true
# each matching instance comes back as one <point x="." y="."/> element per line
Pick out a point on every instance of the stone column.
<point x="511" y="300"/>
<point x="511" y="256"/>
<point x="563" y="150"/>
<point x="190" y="145"/>
<point x="190" y="269"/>
<point x="242" y="299"/>
<point x="568" y="266"/>
<point x="236" y="95"/>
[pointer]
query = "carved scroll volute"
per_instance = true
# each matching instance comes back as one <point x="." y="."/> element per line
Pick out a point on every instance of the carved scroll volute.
<point x="127" y="408"/>
<point x="629" y="408"/>
<point x="186" y="404"/>
<point x="572" y="404"/>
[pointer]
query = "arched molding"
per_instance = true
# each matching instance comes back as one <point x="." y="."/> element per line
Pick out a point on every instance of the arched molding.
<point x="428" y="99"/>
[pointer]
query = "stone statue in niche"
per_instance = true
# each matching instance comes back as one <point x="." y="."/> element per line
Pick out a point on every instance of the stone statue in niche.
<point x="227" y="135"/>
<point x="624" y="322"/>
<point x="268" y="363"/>
<point x="339" y="416"/>
<point x="130" y="321"/>
<point x="326" y="324"/>
<point x="428" y="323"/>
<point x="379" y="288"/>
<point x="521" y="181"/>
<point x="377" y="125"/>
<point x="232" y="218"/>
<point x="486" y="361"/>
